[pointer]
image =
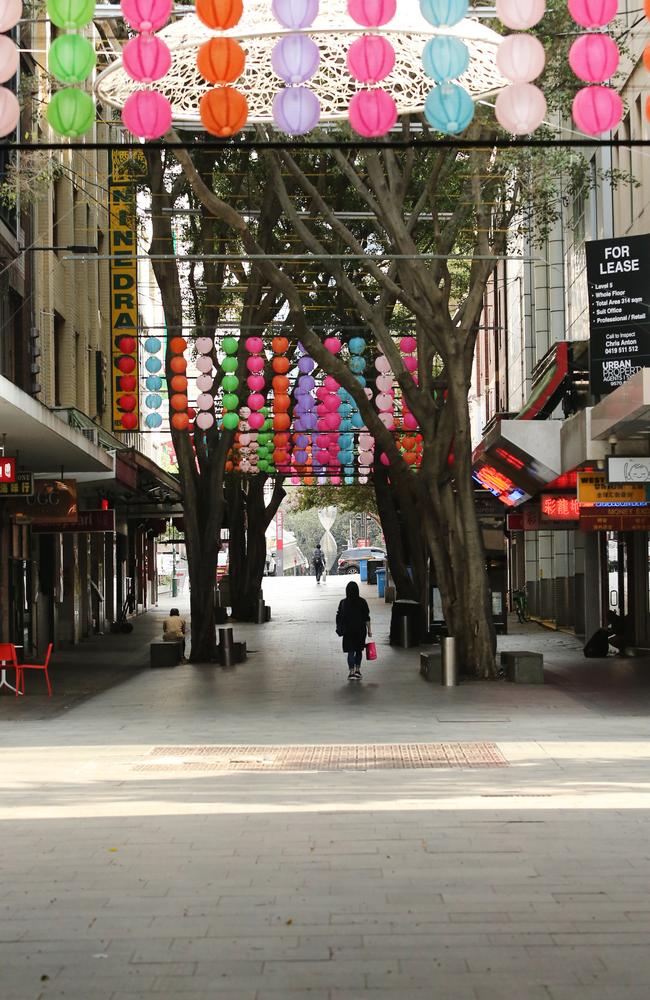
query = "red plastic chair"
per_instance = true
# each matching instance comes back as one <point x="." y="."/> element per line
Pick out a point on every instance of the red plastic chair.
<point x="8" y="658"/>
<point x="20" y="677"/>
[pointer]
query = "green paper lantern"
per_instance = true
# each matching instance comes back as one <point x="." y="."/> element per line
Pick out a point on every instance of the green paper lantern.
<point x="230" y="421"/>
<point x="230" y="401"/>
<point x="263" y="466"/>
<point x="230" y="345"/>
<point x="229" y="383"/>
<point x="264" y="439"/>
<point x="71" y="112"/>
<point x="70" y="13"/>
<point x="267" y="425"/>
<point x="71" y="58"/>
<point x="229" y="365"/>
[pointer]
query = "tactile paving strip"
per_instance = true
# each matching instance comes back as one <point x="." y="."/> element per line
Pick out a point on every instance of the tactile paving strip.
<point x="323" y="757"/>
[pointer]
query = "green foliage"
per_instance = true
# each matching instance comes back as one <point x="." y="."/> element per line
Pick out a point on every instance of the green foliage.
<point x="355" y="499"/>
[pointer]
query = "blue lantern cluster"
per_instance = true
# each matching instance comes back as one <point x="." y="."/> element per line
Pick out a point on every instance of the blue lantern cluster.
<point x="153" y="383"/>
<point x="448" y="107"/>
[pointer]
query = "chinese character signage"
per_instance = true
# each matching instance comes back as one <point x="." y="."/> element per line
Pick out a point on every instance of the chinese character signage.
<point x="559" y="508"/>
<point x="7" y="470"/>
<point x="619" y="310"/>
<point x="125" y="168"/>
<point x="593" y="488"/>
<point x="23" y="486"/>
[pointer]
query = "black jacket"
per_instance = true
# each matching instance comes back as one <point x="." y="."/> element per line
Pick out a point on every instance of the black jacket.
<point x="352" y="620"/>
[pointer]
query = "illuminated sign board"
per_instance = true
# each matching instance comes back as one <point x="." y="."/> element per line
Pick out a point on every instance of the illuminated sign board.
<point x="593" y="488"/>
<point x="499" y="485"/>
<point x="7" y="470"/>
<point x="23" y="486"/>
<point x="559" y="508"/>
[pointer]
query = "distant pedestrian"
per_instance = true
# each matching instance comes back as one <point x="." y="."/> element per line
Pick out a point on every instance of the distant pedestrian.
<point x="174" y="629"/>
<point x="353" y="624"/>
<point x="318" y="562"/>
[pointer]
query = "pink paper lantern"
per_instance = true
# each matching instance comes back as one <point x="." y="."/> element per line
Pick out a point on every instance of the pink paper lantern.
<point x="520" y="108"/>
<point x="330" y="383"/>
<point x="11" y="12"/>
<point x="382" y="364"/>
<point x="521" y="58"/>
<point x="204" y="421"/>
<point x="204" y="364"/>
<point x="332" y="344"/>
<point x="147" y="114"/>
<point x="387" y="420"/>
<point x="372" y="113"/>
<point x="520" y="14"/>
<point x="411" y="364"/>
<point x="332" y="421"/>
<point x="9" y="58"/>
<point x="256" y="420"/>
<point x="255" y="382"/>
<point x="9" y="111"/>
<point x="384" y="459"/>
<point x="255" y="364"/>
<point x="146" y="15"/>
<point x="254" y="345"/>
<point x="295" y="58"/>
<point x="594" y="58"/>
<point x="146" y="58"/>
<point x="385" y="402"/>
<point x="408" y="345"/>
<point x="204" y="344"/>
<point x="592" y="13"/>
<point x="410" y="422"/>
<point x="597" y="110"/>
<point x="255" y="401"/>
<point x="331" y="403"/>
<point x="371" y="58"/>
<point x="372" y="13"/>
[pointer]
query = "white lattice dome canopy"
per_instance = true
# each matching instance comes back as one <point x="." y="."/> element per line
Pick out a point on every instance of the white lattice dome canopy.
<point x="333" y="31"/>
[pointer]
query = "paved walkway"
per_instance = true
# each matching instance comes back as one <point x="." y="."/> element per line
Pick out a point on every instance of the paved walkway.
<point x="135" y="865"/>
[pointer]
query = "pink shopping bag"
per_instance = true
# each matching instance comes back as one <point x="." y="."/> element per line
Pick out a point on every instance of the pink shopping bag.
<point x="371" y="651"/>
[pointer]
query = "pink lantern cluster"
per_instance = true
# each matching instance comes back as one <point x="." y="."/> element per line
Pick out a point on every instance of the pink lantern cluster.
<point x="594" y="58"/>
<point x="204" y="419"/>
<point x="10" y="14"/>
<point x="521" y="106"/>
<point x="328" y="419"/>
<point x="146" y="58"/>
<point x="255" y="363"/>
<point x="408" y="348"/>
<point x="371" y="58"/>
<point x="385" y="398"/>
<point x="295" y="58"/>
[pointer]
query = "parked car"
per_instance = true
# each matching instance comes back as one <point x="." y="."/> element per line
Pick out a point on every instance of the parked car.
<point x="349" y="560"/>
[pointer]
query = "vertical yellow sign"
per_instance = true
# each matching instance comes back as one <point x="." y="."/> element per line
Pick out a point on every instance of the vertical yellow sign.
<point x="125" y="168"/>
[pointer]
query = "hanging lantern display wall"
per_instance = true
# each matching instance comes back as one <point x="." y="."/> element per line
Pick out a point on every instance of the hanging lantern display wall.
<point x="594" y="58"/>
<point x="71" y="60"/>
<point x="147" y="113"/>
<point x="221" y="61"/>
<point x="295" y="59"/>
<point x="9" y="107"/>
<point x="371" y="58"/>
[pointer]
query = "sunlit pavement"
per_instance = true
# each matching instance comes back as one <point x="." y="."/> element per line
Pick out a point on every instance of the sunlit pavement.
<point x="133" y="867"/>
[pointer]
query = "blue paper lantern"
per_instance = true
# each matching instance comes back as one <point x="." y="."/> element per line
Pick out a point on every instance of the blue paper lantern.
<point x="345" y="457"/>
<point x="348" y="480"/>
<point x="152" y="345"/>
<point x="153" y="401"/>
<point x="153" y="383"/>
<point x="449" y="108"/>
<point x="153" y="420"/>
<point x="357" y="421"/>
<point x="361" y="380"/>
<point x="357" y="345"/>
<point x="445" y="58"/>
<point x="346" y="442"/>
<point x="153" y="365"/>
<point x="357" y="364"/>
<point x="444" y="12"/>
<point x="345" y="426"/>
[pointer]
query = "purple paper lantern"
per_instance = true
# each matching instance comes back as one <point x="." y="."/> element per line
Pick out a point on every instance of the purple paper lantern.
<point x="295" y="14"/>
<point x="295" y="58"/>
<point x="296" y="110"/>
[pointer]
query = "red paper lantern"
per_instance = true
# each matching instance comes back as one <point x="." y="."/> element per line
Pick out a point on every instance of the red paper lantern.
<point x="126" y="365"/>
<point x="126" y="344"/>
<point x="224" y="111"/>
<point x="279" y="345"/>
<point x="128" y="383"/>
<point x="282" y="422"/>
<point x="219" y="14"/>
<point x="221" y="60"/>
<point x="127" y="403"/>
<point x="280" y="365"/>
<point x="281" y="403"/>
<point x="129" y="421"/>
<point x="280" y="383"/>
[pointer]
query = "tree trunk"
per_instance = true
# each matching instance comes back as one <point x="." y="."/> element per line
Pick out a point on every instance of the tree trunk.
<point x="249" y="518"/>
<point x="202" y="547"/>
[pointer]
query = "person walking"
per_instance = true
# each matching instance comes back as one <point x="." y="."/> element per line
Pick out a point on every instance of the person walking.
<point x="353" y="624"/>
<point x="318" y="562"/>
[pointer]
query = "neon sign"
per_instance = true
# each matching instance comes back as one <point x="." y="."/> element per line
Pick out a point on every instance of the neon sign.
<point x="560" y="508"/>
<point x="7" y="470"/>
<point x="511" y="459"/>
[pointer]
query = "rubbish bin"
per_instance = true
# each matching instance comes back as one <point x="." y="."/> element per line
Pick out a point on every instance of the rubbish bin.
<point x="405" y="624"/>
<point x="381" y="582"/>
<point x="449" y="662"/>
<point x="363" y="570"/>
<point x="373" y="565"/>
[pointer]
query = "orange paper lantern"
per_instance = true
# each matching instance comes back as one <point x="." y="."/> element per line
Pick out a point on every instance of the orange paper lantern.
<point x="280" y="440"/>
<point x="281" y="422"/>
<point x="280" y="457"/>
<point x="221" y="60"/>
<point x="281" y="403"/>
<point x="178" y="364"/>
<point x="178" y="401"/>
<point x="179" y="383"/>
<point x="223" y="111"/>
<point x="219" y="14"/>
<point x="177" y="345"/>
<point x="180" y="421"/>
<point x="280" y="345"/>
<point x="280" y="383"/>
<point x="280" y="365"/>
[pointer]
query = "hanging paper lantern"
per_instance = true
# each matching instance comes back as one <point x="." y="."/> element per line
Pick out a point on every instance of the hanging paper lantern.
<point x="371" y="58"/>
<point x="520" y="108"/>
<point x="147" y="113"/>
<point x="71" y="58"/>
<point x="178" y="364"/>
<point x="146" y="58"/>
<point x="295" y="14"/>
<point x="204" y="421"/>
<point x="9" y="58"/>
<point x="594" y="58"/>
<point x="256" y="420"/>
<point x="180" y="421"/>
<point x="449" y="108"/>
<point x="221" y="60"/>
<point x="296" y="110"/>
<point x="372" y="13"/>
<point x="372" y="113"/>
<point x="521" y="14"/>
<point x="295" y="58"/>
<point x="219" y="14"/>
<point x="11" y="12"/>
<point x="521" y="58"/>
<point x="256" y="382"/>
<point x="9" y="111"/>
<point x="445" y="58"/>
<point x="592" y="13"/>
<point x="141" y="15"/>
<point x="71" y="112"/>
<point x="224" y="111"/>
<point x="204" y="364"/>
<point x="597" y="110"/>
<point x="70" y="13"/>
<point x="129" y="382"/>
<point x="152" y="345"/>
<point x="444" y="12"/>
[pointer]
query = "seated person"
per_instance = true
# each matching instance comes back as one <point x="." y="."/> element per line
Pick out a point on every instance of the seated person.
<point x="174" y="629"/>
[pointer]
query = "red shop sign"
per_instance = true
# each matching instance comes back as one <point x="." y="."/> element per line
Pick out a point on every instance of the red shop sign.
<point x="7" y="470"/>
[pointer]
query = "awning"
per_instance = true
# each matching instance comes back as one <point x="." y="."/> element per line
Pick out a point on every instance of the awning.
<point x="517" y="458"/>
<point x="549" y="383"/>
<point x="42" y="441"/>
<point x="625" y="412"/>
